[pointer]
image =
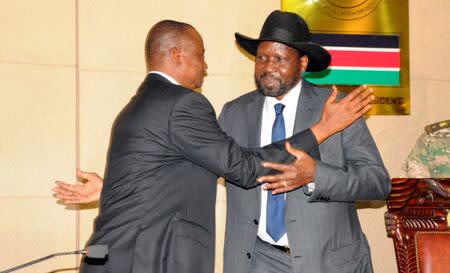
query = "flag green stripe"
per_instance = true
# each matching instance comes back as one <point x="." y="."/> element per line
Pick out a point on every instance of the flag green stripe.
<point x="354" y="77"/>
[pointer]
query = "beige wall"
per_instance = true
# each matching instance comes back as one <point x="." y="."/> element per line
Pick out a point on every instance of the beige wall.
<point x="67" y="67"/>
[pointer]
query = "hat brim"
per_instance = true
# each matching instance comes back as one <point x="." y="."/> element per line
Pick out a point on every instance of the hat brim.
<point x="319" y="58"/>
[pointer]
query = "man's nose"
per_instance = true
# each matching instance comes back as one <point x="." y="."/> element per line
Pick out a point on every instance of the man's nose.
<point x="270" y="66"/>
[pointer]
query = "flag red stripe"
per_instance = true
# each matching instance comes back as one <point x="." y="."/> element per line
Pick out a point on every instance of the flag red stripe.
<point x="365" y="58"/>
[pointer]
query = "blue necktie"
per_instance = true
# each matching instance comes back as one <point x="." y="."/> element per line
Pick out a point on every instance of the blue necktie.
<point x="275" y="225"/>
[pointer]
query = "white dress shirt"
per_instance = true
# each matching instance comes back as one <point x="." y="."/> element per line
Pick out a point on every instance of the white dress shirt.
<point x="268" y="117"/>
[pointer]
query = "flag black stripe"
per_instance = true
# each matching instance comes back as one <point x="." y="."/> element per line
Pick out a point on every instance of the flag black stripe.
<point x="356" y="40"/>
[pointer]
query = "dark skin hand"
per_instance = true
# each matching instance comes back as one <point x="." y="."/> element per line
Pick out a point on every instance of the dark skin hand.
<point x="291" y="176"/>
<point x="339" y="114"/>
<point x="336" y="116"/>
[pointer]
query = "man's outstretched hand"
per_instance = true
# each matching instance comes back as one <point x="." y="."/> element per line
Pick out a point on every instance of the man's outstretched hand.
<point x="293" y="175"/>
<point x="77" y="194"/>
<point x="338" y="115"/>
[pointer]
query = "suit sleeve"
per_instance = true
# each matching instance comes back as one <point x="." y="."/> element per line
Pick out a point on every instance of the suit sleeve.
<point x="195" y="133"/>
<point x="363" y="176"/>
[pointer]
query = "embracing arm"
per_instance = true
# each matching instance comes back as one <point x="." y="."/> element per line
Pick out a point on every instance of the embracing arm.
<point x="195" y="133"/>
<point x="88" y="192"/>
<point x="336" y="116"/>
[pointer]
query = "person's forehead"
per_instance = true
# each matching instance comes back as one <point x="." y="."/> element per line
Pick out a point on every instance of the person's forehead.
<point x="272" y="45"/>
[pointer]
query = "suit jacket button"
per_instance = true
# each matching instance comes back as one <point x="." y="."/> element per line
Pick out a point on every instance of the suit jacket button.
<point x="249" y="255"/>
<point x="255" y="221"/>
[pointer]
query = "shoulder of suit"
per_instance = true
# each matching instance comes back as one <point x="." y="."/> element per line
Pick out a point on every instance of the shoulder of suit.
<point x="324" y="91"/>
<point x="246" y="98"/>
<point x="178" y="95"/>
<point x="191" y="98"/>
<point x="316" y="91"/>
<point x="166" y="86"/>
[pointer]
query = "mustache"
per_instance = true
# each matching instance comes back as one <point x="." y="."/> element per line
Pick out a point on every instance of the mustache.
<point x="270" y="75"/>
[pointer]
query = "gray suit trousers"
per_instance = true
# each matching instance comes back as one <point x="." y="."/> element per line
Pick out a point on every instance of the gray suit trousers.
<point x="267" y="259"/>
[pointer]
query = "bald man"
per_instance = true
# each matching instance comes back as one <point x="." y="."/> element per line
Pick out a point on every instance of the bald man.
<point x="166" y="152"/>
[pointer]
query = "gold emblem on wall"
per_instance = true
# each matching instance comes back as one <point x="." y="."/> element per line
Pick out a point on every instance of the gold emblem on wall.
<point x="369" y="44"/>
<point x="348" y="9"/>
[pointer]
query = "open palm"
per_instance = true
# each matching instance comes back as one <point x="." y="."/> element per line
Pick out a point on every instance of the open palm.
<point x="85" y="193"/>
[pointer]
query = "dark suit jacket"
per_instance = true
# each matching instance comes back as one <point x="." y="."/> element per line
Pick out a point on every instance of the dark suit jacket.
<point x="323" y="229"/>
<point x="157" y="204"/>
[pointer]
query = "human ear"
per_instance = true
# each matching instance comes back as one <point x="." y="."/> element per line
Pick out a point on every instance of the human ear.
<point x="304" y="63"/>
<point x="175" y="55"/>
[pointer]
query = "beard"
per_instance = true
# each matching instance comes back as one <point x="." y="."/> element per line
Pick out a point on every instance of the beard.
<point x="280" y="87"/>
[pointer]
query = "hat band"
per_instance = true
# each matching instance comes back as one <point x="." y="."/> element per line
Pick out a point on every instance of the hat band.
<point x="275" y="33"/>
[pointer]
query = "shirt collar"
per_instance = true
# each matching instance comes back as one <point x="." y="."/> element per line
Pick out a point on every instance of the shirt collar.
<point x="169" y="78"/>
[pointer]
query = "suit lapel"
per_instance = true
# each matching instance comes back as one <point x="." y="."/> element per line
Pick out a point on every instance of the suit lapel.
<point x="308" y="111"/>
<point x="254" y="118"/>
<point x="307" y="108"/>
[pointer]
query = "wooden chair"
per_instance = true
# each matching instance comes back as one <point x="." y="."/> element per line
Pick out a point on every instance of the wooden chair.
<point x="422" y="237"/>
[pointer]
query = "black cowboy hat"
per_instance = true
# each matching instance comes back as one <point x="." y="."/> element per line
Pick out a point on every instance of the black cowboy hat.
<point x="290" y="29"/>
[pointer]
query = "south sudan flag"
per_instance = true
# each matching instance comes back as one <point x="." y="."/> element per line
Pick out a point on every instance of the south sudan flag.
<point x="359" y="59"/>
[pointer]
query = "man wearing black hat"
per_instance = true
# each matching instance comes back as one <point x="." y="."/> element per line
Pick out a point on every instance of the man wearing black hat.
<point x="278" y="65"/>
<point x="166" y="151"/>
<point x="314" y="228"/>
